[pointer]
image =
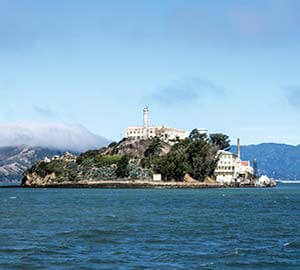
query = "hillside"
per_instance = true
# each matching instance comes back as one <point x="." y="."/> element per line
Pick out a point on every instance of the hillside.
<point x="279" y="161"/>
<point x="106" y="163"/>
<point x="14" y="160"/>
<point x="191" y="160"/>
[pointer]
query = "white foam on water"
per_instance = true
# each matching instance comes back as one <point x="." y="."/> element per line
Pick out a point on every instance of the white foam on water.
<point x="288" y="181"/>
<point x="207" y="264"/>
<point x="288" y="243"/>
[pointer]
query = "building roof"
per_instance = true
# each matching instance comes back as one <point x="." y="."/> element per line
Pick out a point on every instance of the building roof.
<point x="223" y="152"/>
<point x="158" y="127"/>
<point x="245" y="163"/>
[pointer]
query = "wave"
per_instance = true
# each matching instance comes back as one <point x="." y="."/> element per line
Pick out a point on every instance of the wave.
<point x="288" y="181"/>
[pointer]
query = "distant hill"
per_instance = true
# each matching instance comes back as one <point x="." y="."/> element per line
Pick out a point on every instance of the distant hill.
<point x="14" y="160"/>
<point x="279" y="161"/>
<point x="23" y="144"/>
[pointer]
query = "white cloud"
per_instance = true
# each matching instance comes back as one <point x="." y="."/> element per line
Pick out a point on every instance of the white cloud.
<point x="53" y="135"/>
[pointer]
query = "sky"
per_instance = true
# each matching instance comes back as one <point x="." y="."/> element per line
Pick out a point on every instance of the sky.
<point x="228" y="66"/>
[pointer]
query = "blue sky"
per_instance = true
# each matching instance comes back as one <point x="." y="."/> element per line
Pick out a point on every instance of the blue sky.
<point x="228" y="66"/>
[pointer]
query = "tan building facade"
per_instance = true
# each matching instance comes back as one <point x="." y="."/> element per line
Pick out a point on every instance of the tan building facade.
<point x="149" y="132"/>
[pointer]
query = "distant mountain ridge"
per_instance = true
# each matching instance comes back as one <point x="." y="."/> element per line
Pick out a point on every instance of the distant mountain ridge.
<point x="279" y="161"/>
<point x="23" y="144"/>
<point x="14" y="160"/>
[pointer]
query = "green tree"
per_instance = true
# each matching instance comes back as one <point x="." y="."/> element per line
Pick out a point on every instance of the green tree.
<point x="195" y="155"/>
<point x="154" y="149"/>
<point x="122" y="170"/>
<point x="112" y="144"/>
<point x="152" y="153"/>
<point x="91" y="154"/>
<point x="202" y="159"/>
<point x="220" y="140"/>
<point x="106" y="160"/>
<point x="195" y="135"/>
<point x="171" y="166"/>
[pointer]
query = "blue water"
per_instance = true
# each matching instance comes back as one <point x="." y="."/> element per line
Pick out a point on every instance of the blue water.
<point x="150" y="229"/>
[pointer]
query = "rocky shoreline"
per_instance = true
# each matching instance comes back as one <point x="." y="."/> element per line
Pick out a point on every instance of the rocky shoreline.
<point x="132" y="184"/>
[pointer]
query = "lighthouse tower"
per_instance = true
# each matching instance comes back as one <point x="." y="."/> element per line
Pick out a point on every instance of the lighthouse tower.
<point x="146" y="123"/>
<point x="145" y="131"/>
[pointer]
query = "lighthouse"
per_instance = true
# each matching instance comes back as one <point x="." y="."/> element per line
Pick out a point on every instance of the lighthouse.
<point x="145" y="131"/>
<point x="146" y="123"/>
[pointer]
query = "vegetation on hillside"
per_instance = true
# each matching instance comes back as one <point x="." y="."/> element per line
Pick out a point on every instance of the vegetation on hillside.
<point x="195" y="155"/>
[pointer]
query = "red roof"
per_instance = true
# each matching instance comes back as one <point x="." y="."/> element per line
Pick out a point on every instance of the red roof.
<point x="245" y="163"/>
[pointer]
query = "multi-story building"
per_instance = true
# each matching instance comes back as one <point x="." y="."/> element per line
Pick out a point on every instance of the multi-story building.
<point x="232" y="169"/>
<point x="148" y="132"/>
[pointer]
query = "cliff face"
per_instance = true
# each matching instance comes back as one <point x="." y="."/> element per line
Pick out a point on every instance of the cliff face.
<point x="94" y="165"/>
<point x="14" y="160"/>
<point x="133" y="148"/>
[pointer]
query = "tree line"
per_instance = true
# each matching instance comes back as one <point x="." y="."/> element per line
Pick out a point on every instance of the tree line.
<point x="196" y="155"/>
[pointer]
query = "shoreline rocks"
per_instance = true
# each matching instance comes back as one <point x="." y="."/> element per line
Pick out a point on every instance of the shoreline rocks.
<point x="133" y="184"/>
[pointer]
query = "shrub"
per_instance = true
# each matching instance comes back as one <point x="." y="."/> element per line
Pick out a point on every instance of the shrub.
<point x="123" y="167"/>
<point x="40" y="169"/>
<point x="91" y="154"/>
<point x="55" y="166"/>
<point x="106" y="160"/>
<point x="113" y="144"/>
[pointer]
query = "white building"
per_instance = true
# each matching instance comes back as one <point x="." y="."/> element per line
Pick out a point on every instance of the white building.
<point x="225" y="171"/>
<point x="148" y="132"/>
<point x="231" y="169"/>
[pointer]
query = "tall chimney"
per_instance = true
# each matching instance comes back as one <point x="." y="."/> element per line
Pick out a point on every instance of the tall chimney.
<point x="239" y="148"/>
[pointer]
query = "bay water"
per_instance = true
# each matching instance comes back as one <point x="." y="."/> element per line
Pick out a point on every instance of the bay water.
<point x="253" y="228"/>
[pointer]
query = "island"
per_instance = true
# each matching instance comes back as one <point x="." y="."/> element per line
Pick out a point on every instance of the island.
<point x="153" y="162"/>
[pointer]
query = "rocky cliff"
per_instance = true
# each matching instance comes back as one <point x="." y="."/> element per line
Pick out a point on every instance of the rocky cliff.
<point x="94" y="165"/>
